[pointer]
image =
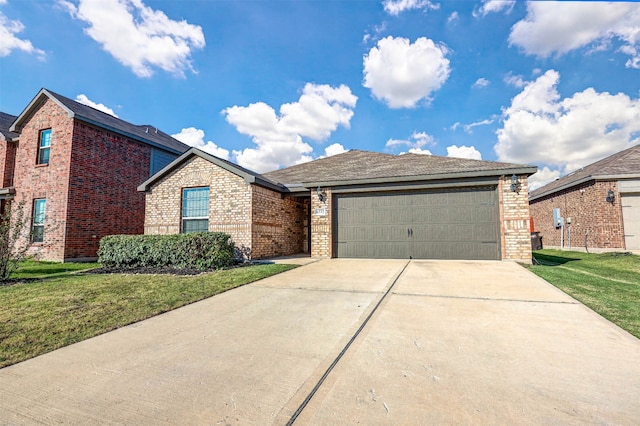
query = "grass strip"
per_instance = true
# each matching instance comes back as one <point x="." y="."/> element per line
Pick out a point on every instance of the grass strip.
<point x="608" y="283"/>
<point x="40" y="316"/>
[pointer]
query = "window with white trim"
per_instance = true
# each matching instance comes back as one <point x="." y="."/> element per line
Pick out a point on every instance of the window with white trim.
<point x="195" y="210"/>
<point x="44" y="147"/>
<point x="37" y="220"/>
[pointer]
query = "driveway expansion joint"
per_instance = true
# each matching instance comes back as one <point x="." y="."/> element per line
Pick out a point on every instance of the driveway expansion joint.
<point x="315" y="389"/>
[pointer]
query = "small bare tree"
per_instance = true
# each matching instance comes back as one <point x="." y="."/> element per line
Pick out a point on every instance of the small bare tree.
<point x="14" y="239"/>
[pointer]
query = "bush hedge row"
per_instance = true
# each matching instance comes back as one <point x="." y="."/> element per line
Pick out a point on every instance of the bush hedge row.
<point x="198" y="250"/>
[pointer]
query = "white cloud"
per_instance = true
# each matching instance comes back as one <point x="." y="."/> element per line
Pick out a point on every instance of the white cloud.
<point x="542" y="177"/>
<point x="559" y="27"/>
<point x="318" y="112"/>
<point x="416" y="141"/>
<point x="82" y="98"/>
<point x="566" y="134"/>
<point x="418" y="151"/>
<point x="195" y="138"/>
<point x="395" y="7"/>
<point x="334" y="149"/>
<point x="402" y="74"/>
<point x="468" y="128"/>
<point x="514" y="80"/>
<point x="481" y="82"/>
<point x="489" y="6"/>
<point x="453" y="17"/>
<point x="9" y="40"/>
<point x="464" y="152"/>
<point x="137" y="36"/>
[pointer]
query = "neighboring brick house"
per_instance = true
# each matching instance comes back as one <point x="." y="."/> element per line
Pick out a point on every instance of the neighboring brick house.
<point x="74" y="170"/>
<point x="355" y="204"/>
<point x="601" y="200"/>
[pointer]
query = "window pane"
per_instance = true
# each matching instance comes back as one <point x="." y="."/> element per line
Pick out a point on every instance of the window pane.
<point x="38" y="211"/>
<point x="45" y="138"/>
<point x="37" y="220"/>
<point x="37" y="236"/>
<point x="43" y="156"/>
<point x="195" y="225"/>
<point x="195" y="202"/>
<point x="44" y="148"/>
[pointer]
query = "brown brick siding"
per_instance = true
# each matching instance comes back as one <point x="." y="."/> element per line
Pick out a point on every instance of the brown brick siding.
<point x="278" y="224"/>
<point x="255" y="217"/>
<point x="90" y="183"/>
<point x="514" y="220"/>
<point x="7" y="162"/>
<point x="593" y="220"/>
<point x="229" y="201"/>
<point x="45" y="181"/>
<point x="103" y="198"/>
<point x="321" y="226"/>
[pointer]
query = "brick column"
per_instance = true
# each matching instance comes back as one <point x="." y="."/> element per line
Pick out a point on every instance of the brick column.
<point x="514" y="220"/>
<point x="321" y="221"/>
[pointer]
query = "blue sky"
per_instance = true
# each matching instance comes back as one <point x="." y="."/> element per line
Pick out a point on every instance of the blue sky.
<point x="268" y="84"/>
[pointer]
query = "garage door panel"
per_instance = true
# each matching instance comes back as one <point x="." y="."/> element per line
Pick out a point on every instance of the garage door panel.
<point x="460" y="223"/>
<point x="372" y="233"/>
<point x="631" y="220"/>
<point x="391" y="250"/>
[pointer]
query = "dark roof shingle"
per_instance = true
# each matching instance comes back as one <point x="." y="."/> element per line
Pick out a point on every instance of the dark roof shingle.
<point x="144" y="133"/>
<point x="6" y="120"/>
<point x="356" y="165"/>
<point x="622" y="163"/>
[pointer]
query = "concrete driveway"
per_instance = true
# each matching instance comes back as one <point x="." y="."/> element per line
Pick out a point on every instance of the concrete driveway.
<point x="347" y="341"/>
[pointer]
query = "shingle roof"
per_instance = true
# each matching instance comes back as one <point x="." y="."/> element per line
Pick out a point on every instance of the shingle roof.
<point x="6" y="120"/>
<point x="356" y="165"/>
<point x="248" y="175"/>
<point x="622" y="164"/>
<point x="143" y="133"/>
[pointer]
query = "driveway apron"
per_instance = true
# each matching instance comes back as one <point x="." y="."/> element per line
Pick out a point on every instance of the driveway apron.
<point x="236" y="358"/>
<point x="347" y="341"/>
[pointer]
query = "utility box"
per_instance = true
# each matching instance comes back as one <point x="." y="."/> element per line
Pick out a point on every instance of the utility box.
<point x="558" y="221"/>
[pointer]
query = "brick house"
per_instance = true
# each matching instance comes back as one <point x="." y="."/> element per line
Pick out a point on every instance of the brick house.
<point x="74" y="170"/>
<point x="601" y="201"/>
<point x="355" y="204"/>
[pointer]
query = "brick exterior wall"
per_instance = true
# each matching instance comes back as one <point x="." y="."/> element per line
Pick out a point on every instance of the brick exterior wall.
<point x="90" y="183"/>
<point x="278" y="224"/>
<point x="593" y="220"/>
<point x="321" y="226"/>
<point x="514" y="220"/>
<point x="103" y="198"/>
<point x="7" y="162"/>
<point x="255" y="217"/>
<point x="229" y="201"/>
<point x="49" y="181"/>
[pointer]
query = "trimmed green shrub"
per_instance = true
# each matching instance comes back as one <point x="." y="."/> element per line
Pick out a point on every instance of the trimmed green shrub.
<point x="198" y="250"/>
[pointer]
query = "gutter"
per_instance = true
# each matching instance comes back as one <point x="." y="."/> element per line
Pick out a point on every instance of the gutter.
<point x="580" y="182"/>
<point x="456" y="175"/>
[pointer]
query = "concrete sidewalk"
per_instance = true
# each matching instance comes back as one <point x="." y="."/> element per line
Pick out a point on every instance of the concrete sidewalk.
<point x="347" y="341"/>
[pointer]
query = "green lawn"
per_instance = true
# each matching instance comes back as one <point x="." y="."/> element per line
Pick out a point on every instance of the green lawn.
<point x="41" y="315"/>
<point x="608" y="283"/>
<point x="39" y="269"/>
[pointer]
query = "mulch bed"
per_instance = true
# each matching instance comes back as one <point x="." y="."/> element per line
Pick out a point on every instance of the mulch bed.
<point x="147" y="270"/>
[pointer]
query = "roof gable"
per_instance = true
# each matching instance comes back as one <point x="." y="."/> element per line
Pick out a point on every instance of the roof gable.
<point x="357" y="166"/>
<point x="6" y="120"/>
<point x="145" y="134"/>
<point x="623" y="164"/>
<point x="248" y="175"/>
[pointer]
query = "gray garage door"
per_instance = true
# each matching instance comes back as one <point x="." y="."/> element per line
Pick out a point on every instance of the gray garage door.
<point x="440" y="224"/>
